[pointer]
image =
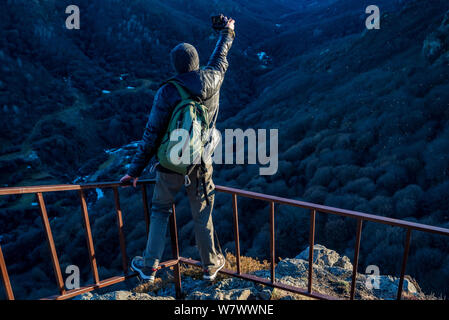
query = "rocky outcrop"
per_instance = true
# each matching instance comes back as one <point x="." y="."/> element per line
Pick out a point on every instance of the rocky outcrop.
<point x="332" y="276"/>
<point x="436" y="45"/>
<point x="122" y="295"/>
<point x="108" y="164"/>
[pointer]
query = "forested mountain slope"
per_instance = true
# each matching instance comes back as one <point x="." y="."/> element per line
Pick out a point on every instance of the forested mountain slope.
<point x="362" y="118"/>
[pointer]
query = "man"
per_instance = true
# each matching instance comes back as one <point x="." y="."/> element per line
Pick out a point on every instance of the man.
<point x="204" y="83"/>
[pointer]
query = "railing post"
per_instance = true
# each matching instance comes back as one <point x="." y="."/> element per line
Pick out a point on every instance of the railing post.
<point x="236" y="232"/>
<point x="145" y="207"/>
<point x="356" y="257"/>
<point x="175" y="250"/>
<point x="90" y="243"/>
<point x="311" y="244"/>
<point x="5" y="277"/>
<point x="51" y="243"/>
<point x="120" y="231"/>
<point x="65" y="294"/>
<point x="404" y="263"/>
<point x="272" y="243"/>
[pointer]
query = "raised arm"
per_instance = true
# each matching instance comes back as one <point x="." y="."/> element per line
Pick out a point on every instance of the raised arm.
<point x="218" y="61"/>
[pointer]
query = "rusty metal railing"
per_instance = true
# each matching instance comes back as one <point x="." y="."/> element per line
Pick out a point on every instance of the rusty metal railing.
<point x="177" y="260"/>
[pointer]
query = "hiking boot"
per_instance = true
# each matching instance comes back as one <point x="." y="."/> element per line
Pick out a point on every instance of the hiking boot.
<point x="144" y="273"/>
<point x="211" y="273"/>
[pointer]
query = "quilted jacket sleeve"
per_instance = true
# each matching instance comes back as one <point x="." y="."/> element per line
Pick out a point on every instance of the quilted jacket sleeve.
<point x="155" y="128"/>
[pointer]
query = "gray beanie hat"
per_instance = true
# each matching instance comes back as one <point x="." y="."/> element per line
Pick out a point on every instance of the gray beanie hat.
<point x="184" y="58"/>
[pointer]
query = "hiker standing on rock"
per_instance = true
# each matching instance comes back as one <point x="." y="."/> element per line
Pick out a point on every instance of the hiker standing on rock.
<point x="199" y="84"/>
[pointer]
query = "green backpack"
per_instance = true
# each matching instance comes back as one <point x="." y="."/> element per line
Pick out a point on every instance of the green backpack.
<point x="183" y="143"/>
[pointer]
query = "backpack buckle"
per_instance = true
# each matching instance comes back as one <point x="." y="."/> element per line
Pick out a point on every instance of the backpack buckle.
<point x="187" y="181"/>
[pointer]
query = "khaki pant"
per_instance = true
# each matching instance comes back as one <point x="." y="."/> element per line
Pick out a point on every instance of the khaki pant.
<point x="166" y="188"/>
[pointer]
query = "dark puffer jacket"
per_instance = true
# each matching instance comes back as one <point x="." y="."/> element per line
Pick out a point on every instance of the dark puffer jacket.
<point x="204" y="83"/>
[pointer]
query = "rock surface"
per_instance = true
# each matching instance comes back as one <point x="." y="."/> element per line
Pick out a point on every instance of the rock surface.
<point x="436" y="45"/>
<point x="122" y="295"/>
<point x="332" y="276"/>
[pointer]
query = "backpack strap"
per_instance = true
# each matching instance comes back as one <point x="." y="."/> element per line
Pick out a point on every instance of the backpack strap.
<point x="182" y="92"/>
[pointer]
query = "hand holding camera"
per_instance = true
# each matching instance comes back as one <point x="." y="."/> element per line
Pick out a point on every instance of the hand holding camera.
<point x="220" y="22"/>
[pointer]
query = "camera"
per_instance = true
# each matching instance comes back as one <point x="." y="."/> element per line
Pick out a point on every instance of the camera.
<point x="219" y="22"/>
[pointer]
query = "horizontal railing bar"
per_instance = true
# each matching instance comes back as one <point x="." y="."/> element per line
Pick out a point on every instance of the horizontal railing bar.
<point x="66" y="187"/>
<point x="102" y="284"/>
<point x="247" y="194"/>
<point x="105" y="283"/>
<point x="331" y="210"/>
<point x="263" y="281"/>
<point x="168" y="263"/>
